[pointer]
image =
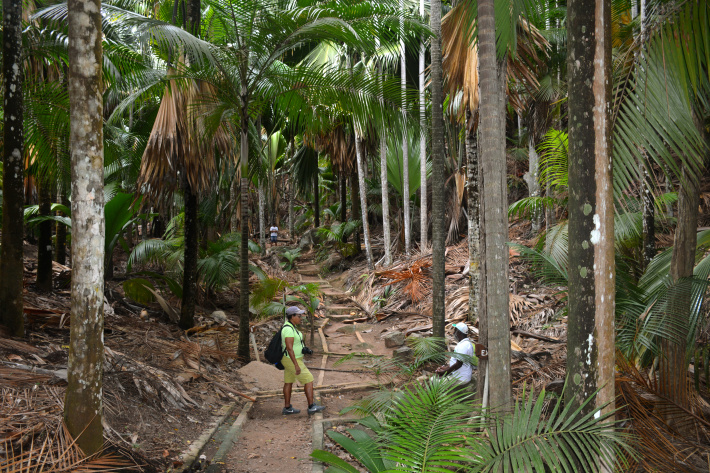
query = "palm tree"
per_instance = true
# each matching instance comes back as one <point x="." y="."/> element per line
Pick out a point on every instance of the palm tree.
<point x="11" y="266"/>
<point x="249" y="42"/>
<point x="405" y="139"/>
<point x="493" y="321"/>
<point x="83" y="408"/>
<point x="438" y="165"/>
<point x="423" y="215"/>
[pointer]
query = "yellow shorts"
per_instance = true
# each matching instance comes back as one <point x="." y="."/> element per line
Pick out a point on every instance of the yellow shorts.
<point x="290" y="371"/>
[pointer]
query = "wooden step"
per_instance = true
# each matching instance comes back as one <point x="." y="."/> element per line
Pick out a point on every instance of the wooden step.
<point x="330" y="292"/>
<point x="342" y="317"/>
<point x="340" y="309"/>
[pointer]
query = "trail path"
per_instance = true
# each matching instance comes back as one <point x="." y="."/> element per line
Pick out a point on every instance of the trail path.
<point x="270" y="442"/>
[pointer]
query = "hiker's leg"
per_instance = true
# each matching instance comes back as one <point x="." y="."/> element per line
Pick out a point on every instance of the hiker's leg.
<point x="308" y="388"/>
<point x="287" y="394"/>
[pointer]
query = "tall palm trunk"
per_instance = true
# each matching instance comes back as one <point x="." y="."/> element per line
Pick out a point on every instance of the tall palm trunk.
<point x="405" y="142"/>
<point x="343" y="195"/>
<point x="474" y="235"/>
<point x="494" y="196"/>
<point x="590" y="339"/>
<point x="363" y="201"/>
<point x="11" y="267"/>
<point x="189" y="277"/>
<point x="674" y="362"/>
<point x="532" y="178"/>
<point x="233" y="193"/>
<point x="243" y="347"/>
<point x="383" y="176"/>
<point x="262" y="215"/>
<point x="316" y="199"/>
<point x="423" y="215"/>
<point x="604" y="264"/>
<point x="83" y="407"/>
<point x="44" y="242"/>
<point x="385" y="200"/>
<point x="649" y="214"/>
<point x="355" y="210"/>
<point x="61" y="238"/>
<point x="438" y="234"/>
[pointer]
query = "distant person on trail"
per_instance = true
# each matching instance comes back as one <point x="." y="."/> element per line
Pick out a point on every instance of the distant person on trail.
<point x="458" y="369"/>
<point x="274" y="234"/>
<point x="294" y="368"/>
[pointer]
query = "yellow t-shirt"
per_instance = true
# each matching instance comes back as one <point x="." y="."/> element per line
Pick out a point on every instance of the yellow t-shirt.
<point x="290" y="330"/>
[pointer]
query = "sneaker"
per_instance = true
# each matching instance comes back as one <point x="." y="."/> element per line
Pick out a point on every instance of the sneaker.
<point x="290" y="410"/>
<point x="312" y="409"/>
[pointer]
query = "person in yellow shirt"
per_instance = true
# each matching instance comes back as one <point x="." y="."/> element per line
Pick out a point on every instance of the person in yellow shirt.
<point x="294" y="368"/>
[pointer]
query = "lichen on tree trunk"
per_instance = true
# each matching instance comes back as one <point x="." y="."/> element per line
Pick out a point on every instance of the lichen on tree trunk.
<point x="473" y="207"/>
<point x="11" y="267"/>
<point x="83" y="408"/>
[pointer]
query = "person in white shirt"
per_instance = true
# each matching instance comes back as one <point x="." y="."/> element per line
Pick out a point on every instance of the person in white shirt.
<point x="459" y="369"/>
<point x="274" y="234"/>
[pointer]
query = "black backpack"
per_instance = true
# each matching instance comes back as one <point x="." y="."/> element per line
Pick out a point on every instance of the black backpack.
<point x="274" y="352"/>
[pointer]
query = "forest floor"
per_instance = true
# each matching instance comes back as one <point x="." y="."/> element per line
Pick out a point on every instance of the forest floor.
<point x="164" y="388"/>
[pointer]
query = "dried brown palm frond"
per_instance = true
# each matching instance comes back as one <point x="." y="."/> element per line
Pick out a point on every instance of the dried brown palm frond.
<point x="460" y="60"/>
<point x="180" y="144"/>
<point x="33" y="437"/>
<point x="417" y="276"/>
<point x="682" y="446"/>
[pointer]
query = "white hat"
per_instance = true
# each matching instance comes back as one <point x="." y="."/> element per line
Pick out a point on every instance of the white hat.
<point x="293" y="310"/>
<point x="461" y="327"/>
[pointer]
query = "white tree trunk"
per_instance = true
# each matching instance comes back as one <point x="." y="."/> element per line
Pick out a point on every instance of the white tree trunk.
<point x="423" y="215"/>
<point x="405" y="143"/>
<point x="83" y="409"/>
<point x="383" y="177"/>
<point x="385" y="200"/>
<point x="532" y="179"/>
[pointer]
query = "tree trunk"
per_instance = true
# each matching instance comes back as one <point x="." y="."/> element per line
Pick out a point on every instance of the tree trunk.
<point x="262" y="216"/>
<point x="495" y="198"/>
<point x="673" y="360"/>
<point x="385" y="200"/>
<point x="604" y="264"/>
<point x="581" y="345"/>
<point x="532" y="178"/>
<point x="474" y="235"/>
<point x="423" y="214"/>
<point x="243" y="352"/>
<point x="405" y="141"/>
<point x="11" y="266"/>
<point x="61" y="248"/>
<point x="649" y="214"/>
<point x="44" y="243"/>
<point x="438" y="209"/>
<point x="355" y="202"/>
<point x="83" y="408"/>
<point x="316" y="200"/>
<point x="189" y="276"/>
<point x="363" y="201"/>
<point x="234" y="194"/>
<point x="383" y="179"/>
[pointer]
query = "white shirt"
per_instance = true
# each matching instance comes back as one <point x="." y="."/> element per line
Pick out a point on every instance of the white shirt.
<point x="465" y="347"/>
<point x="274" y="231"/>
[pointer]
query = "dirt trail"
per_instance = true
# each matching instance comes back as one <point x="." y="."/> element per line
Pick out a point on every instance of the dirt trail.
<point x="272" y="442"/>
